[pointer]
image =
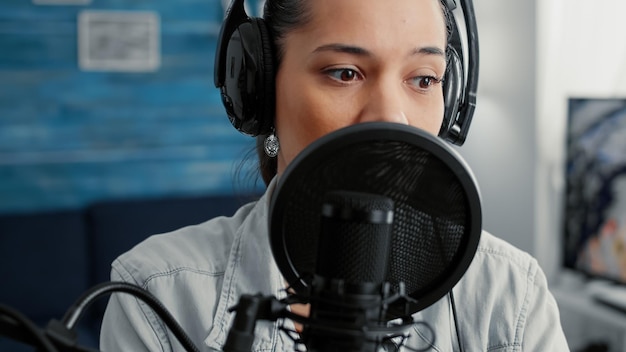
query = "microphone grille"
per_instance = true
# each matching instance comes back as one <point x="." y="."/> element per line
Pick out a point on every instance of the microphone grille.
<point x="355" y="237"/>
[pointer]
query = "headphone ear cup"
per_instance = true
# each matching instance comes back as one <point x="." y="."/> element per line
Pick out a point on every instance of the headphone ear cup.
<point x="452" y="92"/>
<point x="248" y="84"/>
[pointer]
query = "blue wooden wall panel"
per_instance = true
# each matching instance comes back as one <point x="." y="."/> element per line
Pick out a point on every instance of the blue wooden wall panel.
<point x="70" y="137"/>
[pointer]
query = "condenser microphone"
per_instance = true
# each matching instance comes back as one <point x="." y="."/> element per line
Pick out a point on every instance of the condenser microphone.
<point x="348" y="288"/>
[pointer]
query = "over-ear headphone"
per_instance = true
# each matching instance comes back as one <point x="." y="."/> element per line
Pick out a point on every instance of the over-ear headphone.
<point x="245" y="73"/>
<point x="459" y="90"/>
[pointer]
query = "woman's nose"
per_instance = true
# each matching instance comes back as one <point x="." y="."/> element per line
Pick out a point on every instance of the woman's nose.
<point x="385" y="102"/>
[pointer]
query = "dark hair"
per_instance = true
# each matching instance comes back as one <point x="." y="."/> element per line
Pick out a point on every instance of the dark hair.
<point x="282" y="17"/>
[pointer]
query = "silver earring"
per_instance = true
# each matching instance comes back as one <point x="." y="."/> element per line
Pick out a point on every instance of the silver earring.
<point x="271" y="145"/>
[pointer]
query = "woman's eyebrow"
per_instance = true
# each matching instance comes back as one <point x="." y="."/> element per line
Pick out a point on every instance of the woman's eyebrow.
<point x="343" y="48"/>
<point x="428" y="50"/>
<point x="356" y="50"/>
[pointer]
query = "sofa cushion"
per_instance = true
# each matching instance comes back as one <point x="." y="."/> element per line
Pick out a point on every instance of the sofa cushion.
<point x="44" y="263"/>
<point x="117" y="226"/>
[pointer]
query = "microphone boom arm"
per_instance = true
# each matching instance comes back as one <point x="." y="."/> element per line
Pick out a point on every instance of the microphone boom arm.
<point x="60" y="335"/>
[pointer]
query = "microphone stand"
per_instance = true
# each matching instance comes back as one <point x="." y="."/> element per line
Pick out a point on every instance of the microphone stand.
<point x="250" y="309"/>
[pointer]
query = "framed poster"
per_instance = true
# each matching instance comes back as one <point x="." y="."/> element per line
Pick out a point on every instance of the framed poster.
<point x="118" y="41"/>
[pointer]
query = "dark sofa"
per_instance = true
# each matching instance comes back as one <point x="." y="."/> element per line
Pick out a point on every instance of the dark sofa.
<point x="48" y="260"/>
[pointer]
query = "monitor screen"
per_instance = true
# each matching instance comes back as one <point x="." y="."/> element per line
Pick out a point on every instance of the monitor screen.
<point x="595" y="192"/>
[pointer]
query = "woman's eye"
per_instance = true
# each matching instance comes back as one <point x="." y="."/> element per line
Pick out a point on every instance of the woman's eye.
<point x="343" y="74"/>
<point x="425" y="82"/>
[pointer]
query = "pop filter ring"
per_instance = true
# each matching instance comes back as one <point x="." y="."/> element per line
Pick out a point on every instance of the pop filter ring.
<point x="290" y="184"/>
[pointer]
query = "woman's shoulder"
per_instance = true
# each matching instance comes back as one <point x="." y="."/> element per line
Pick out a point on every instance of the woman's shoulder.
<point x="507" y="288"/>
<point x="492" y="248"/>
<point x="202" y="248"/>
<point x="503" y="266"/>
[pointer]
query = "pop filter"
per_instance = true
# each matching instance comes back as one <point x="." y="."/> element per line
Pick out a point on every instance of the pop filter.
<point x="437" y="215"/>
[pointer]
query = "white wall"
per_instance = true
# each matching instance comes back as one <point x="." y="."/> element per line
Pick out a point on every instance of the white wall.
<point x="501" y="146"/>
<point x="581" y="51"/>
<point x="534" y="55"/>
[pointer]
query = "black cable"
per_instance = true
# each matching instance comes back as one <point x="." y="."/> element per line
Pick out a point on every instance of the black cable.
<point x="29" y="326"/>
<point x="456" y="321"/>
<point x="74" y="314"/>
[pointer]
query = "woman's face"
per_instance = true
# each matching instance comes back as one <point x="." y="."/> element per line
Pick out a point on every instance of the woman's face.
<point x="359" y="61"/>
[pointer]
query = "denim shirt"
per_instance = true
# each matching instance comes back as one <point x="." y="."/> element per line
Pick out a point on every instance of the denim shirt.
<point x="502" y="302"/>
